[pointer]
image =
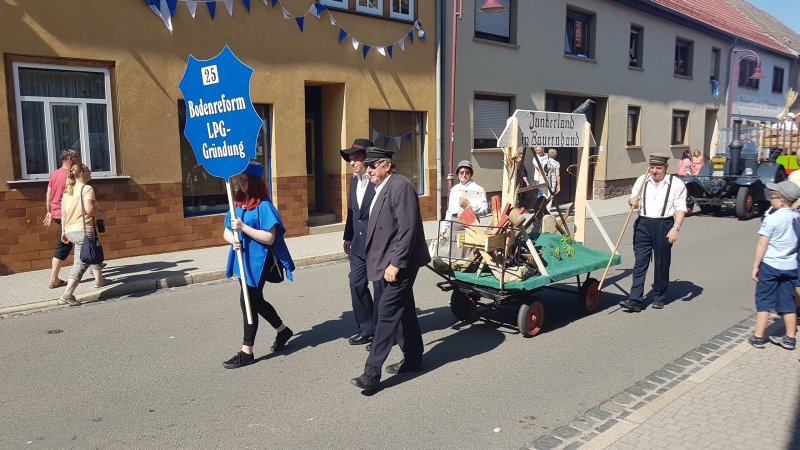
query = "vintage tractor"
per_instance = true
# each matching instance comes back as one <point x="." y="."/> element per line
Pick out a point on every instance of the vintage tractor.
<point x="736" y="179"/>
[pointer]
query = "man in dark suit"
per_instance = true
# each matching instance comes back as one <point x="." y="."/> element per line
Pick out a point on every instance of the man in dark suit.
<point x="355" y="240"/>
<point x="396" y="250"/>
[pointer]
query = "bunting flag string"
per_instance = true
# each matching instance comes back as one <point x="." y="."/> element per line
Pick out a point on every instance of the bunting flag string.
<point x="377" y="136"/>
<point x="166" y="9"/>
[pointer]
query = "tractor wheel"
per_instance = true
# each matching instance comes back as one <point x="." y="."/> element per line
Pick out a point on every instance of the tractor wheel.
<point x="462" y="305"/>
<point x="530" y="318"/>
<point x="744" y="203"/>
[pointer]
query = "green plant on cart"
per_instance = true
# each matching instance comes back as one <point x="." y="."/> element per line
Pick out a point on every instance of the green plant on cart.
<point x="568" y="250"/>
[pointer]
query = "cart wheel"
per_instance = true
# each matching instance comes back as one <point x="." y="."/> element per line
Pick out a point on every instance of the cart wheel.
<point x="462" y="305"/>
<point x="589" y="296"/>
<point x="530" y="318"/>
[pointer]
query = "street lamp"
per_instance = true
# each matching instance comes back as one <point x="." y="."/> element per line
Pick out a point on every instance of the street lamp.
<point x="757" y="75"/>
<point x="489" y="6"/>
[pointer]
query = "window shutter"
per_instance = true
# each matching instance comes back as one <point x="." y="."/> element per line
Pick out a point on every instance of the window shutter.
<point x="490" y="117"/>
<point x="498" y="24"/>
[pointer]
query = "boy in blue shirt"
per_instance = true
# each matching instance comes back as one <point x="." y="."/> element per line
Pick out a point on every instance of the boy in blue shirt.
<point x="775" y="266"/>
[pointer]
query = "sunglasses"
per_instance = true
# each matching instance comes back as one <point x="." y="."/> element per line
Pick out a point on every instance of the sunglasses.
<point x="375" y="164"/>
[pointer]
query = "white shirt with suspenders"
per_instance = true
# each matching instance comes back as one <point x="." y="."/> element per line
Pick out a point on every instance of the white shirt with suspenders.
<point x="662" y="201"/>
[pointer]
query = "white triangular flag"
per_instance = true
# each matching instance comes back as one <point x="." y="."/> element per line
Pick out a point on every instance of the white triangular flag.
<point x="375" y="135"/>
<point x="313" y="10"/>
<point x="398" y="141"/>
<point x="355" y="43"/>
<point x="229" y="6"/>
<point x="333" y="21"/>
<point x="266" y="2"/>
<point x="402" y="44"/>
<point x="191" y="5"/>
<point x="286" y="13"/>
<point x="381" y="50"/>
<point x="165" y="15"/>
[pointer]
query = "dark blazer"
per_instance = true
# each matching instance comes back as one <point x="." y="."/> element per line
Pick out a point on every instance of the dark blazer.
<point x="355" y="230"/>
<point x="395" y="234"/>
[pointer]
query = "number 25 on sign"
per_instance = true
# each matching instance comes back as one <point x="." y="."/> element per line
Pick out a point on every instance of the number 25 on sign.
<point x="210" y="75"/>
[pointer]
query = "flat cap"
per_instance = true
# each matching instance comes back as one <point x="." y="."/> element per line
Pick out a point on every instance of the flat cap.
<point x="375" y="154"/>
<point x="787" y="189"/>
<point x="658" y="159"/>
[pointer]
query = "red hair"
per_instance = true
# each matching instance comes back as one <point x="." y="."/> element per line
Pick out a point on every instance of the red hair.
<point x="256" y="191"/>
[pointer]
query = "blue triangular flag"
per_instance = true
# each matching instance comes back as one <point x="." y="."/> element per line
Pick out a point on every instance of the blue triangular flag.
<point x="274" y="2"/>
<point x="172" y="4"/>
<point x="152" y="3"/>
<point x="212" y="8"/>
<point x="299" y="21"/>
<point x="366" y="50"/>
<point x="246" y="4"/>
<point x="385" y="142"/>
<point x="409" y="135"/>
<point x="342" y="35"/>
<point x="411" y="36"/>
<point x="321" y="7"/>
<point x="389" y="50"/>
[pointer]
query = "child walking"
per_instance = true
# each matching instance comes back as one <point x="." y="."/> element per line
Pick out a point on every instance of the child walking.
<point x="775" y="266"/>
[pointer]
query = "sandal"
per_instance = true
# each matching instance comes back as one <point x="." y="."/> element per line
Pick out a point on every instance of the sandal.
<point x="60" y="283"/>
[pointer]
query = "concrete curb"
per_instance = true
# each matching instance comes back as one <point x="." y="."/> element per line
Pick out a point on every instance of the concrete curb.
<point x="152" y="285"/>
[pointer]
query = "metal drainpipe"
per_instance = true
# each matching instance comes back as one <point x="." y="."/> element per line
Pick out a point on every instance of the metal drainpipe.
<point x="440" y="9"/>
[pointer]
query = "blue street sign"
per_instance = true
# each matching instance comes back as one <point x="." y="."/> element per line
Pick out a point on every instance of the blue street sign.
<point x="221" y="124"/>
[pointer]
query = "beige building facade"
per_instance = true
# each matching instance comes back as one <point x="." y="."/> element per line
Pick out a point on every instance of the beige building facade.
<point x="103" y="77"/>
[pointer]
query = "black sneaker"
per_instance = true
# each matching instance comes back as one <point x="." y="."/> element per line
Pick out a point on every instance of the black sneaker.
<point x="784" y="341"/>
<point x="240" y="359"/>
<point x="658" y="304"/>
<point x="631" y="305"/>
<point x="281" y="338"/>
<point x="757" y="342"/>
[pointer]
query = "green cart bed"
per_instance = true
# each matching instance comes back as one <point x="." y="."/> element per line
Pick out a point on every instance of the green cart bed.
<point x="469" y="289"/>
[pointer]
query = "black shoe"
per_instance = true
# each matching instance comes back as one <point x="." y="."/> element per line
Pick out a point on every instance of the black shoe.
<point x="369" y="346"/>
<point x="631" y="305"/>
<point x="366" y="382"/>
<point x="658" y="304"/>
<point x="281" y="338"/>
<point x="403" y="367"/>
<point x="359" y="340"/>
<point x="240" y="359"/>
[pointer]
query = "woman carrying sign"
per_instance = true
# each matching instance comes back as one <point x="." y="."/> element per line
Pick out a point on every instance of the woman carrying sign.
<point x="261" y="233"/>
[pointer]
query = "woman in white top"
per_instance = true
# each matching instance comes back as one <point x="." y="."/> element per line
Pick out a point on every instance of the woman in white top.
<point x="465" y="193"/>
<point x="538" y="176"/>
<point x="554" y="174"/>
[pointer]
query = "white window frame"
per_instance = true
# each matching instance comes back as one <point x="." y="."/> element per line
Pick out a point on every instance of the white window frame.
<point x="399" y="15"/>
<point x="378" y="11"/>
<point x="343" y="4"/>
<point x="48" y="102"/>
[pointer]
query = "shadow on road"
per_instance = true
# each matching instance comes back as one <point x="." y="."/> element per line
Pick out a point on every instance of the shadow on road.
<point x="123" y="276"/>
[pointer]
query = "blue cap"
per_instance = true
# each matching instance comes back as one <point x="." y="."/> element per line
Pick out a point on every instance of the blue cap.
<point x="254" y="169"/>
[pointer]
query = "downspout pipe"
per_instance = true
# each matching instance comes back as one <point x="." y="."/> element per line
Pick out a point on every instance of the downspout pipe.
<point x="440" y="10"/>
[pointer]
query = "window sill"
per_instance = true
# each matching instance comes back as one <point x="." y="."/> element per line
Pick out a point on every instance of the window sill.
<point x="36" y="181"/>
<point x="579" y="58"/>
<point x="685" y="77"/>
<point x="679" y="147"/>
<point x="487" y="150"/>
<point x="495" y="43"/>
<point x="633" y="148"/>
<point x="638" y="69"/>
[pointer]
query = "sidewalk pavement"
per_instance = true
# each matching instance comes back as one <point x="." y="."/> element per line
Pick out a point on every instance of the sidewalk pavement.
<point x="139" y="274"/>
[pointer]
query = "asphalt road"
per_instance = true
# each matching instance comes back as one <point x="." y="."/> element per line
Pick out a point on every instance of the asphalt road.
<point x="145" y="372"/>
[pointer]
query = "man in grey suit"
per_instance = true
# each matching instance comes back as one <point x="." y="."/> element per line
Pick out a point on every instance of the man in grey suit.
<point x="355" y="238"/>
<point x="396" y="250"/>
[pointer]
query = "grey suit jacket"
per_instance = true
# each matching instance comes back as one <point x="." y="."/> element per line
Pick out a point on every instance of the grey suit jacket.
<point x="395" y="235"/>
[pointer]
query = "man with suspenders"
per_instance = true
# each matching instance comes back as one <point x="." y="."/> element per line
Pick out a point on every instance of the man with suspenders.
<point x="662" y="207"/>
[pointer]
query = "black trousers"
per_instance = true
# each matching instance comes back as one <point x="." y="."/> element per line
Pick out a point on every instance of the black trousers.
<point x="397" y="321"/>
<point x="650" y="238"/>
<point x="259" y="307"/>
<point x="360" y="296"/>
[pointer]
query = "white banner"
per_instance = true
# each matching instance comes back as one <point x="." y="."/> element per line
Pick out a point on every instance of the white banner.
<point x="546" y="129"/>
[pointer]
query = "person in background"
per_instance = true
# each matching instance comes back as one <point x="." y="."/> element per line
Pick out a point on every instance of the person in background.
<point x="538" y="176"/>
<point x="685" y="165"/>
<point x="78" y="212"/>
<point x="522" y="178"/>
<point x="55" y="191"/>
<point x="261" y="233"/>
<point x="355" y="240"/>
<point x="697" y="162"/>
<point x="554" y="174"/>
<point x="460" y="195"/>
<point x="775" y="266"/>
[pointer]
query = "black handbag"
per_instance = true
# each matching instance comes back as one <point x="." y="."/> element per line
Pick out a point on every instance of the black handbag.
<point x="274" y="268"/>
<point x="91" y="250"/>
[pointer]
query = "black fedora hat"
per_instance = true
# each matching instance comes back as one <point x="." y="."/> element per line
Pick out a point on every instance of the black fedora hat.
<point x="376" y="154"/>
<point x="359" y="145"/>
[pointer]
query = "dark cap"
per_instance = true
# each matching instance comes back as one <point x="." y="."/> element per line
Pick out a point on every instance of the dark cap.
<point x="375" y="154"/>
<point x="787" y="189"/>
<point x="658" y="159"/>
<point x="465" y="163"/>
<point x="359" y="145"/>
<point x="254" y="169"/>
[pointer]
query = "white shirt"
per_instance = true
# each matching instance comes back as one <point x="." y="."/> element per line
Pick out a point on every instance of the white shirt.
<point x="537" y="175"/>
<point x="378" y="190"/>
<point x="361" y="187"/>
<point x="555" y="166"/>
<point x="479" y="207"/>
<point x="652" y="202"/>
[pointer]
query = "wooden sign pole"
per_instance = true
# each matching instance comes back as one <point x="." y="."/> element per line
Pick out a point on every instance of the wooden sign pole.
<point x="239" y="258"/>
<point x="510" y="166"/>
<point x="582" y="186"/>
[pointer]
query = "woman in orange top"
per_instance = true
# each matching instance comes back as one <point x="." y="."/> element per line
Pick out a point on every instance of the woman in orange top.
<point x="697" y="162"/>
